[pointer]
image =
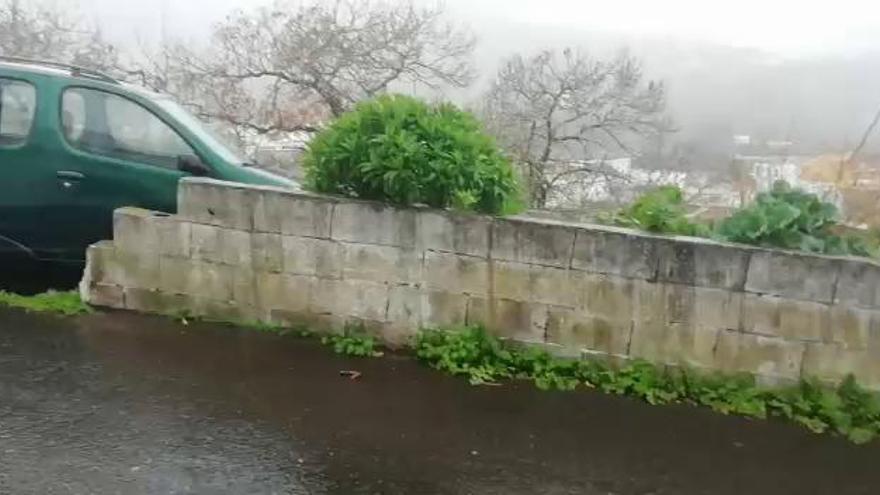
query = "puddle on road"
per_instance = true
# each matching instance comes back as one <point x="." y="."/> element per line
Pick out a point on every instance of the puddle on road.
<point x="133" y="404"/>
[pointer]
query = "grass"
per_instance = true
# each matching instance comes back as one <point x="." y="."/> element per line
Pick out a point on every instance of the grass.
<point x="64" y="303"/>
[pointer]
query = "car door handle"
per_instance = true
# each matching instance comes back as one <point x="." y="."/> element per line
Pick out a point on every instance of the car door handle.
<point x="70" y="175"/>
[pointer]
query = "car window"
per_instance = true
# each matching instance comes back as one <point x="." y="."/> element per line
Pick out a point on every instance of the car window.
<point x="18" y="105"/>
<point x="110" y="125"/>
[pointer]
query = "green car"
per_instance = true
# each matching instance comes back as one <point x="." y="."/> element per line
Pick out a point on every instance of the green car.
<point x="76" y="144"/>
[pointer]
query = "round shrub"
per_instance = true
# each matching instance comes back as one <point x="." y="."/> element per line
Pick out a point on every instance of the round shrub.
<point x="401" y="150"/>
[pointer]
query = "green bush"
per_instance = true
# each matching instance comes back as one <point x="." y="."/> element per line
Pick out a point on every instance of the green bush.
<point x="661" y="210"/>
<point x="790" y="219"/>
<point x="403" y="151"/>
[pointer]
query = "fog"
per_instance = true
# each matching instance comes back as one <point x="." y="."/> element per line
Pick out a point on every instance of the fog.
<point x="776" y="70"/>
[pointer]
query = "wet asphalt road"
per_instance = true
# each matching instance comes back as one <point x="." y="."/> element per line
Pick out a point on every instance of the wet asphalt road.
<point x="126" y="404"/>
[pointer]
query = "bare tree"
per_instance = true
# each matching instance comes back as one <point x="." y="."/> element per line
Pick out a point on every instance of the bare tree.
<point x="44" y="31"/>
<point x="561" y="115"/>
<point x="293" y="65"/>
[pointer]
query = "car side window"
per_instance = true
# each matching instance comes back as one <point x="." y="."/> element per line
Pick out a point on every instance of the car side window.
<point x="113" y="126"/>
<point x="18" y="106"/>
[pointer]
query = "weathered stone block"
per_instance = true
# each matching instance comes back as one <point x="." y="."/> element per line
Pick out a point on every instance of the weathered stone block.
<point x="158" y="302"/>
<point x="296" y="214"/>
<point x="609" y="297"/>
<point x="833" y="363"/>
<point x="556" y="286"/>
<point x="415" y="308"/>
<point x="315" y="257"/>
<point x="616" y="252"/>
<point x="267" y="253"/>
<point x="175" y="236"/>
<point x="578" y="330"/>
<point x="100" y="258"/>
<point x="374" y="223"/>
<point x="275" y="291"/>
<point x="133" y="269"/>
<point x="196" y="278"/>
<point x="790" y="319"/>
<point x="205" y="244"/>
<point x="385" y="264"/>
<point x="852" y="328"/>
<point x="214" y="202"/>
<point x="791" y="275"/>
<point x="681" y="344"/>
<point x="523" y="321"/>
<point x="769" y="356"/>
<point x="702" y="263"/>
<point x="717" y="309"/>
<point x="858" y="284"/>
<point x="528" y="241"/>
<point x="511" y="280"/>
<point x="456" y="273"/>
<point x="455" y="233"/>
<point x="134" y="231"/>
<point x="105" y="296"/>
<point x="349" y="298"/>
<point x="236" y="248"/>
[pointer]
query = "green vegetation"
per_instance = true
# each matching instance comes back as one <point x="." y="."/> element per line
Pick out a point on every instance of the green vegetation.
<point x="847" y="410"/>
<point x="65" y="303"/>
<point x="353" y="341"/>
<point x="404" y="151"/>
<point x="791" y="219"/>
<point x="661" y="210"/>
<point x="784" y="218"/>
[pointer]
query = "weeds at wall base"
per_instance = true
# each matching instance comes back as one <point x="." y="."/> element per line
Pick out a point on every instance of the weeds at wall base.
<point x="847" y="410"/>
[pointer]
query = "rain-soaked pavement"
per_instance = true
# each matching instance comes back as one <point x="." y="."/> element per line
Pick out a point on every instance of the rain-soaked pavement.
<point x="120" y="403"/>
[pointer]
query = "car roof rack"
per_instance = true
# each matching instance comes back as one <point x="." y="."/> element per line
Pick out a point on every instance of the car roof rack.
<point x="75" y="70"/>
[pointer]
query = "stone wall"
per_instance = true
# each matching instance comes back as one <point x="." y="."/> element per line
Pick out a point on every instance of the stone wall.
<point x="245" y="253"/>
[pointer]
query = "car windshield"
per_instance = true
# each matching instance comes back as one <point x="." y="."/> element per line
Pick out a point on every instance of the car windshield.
<point x="217" y="143"/>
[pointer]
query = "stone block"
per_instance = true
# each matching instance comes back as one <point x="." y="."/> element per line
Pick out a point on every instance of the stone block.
<point x="786" y="318"/>
<point x="134" y="231"/>
<point x="175" y="236"/>
<point x="205" y="242"/>
<point x="454" y="232"/>
<point x="100" y="258"/>
<point x="349" y="298"/>
<point x="833" y="363"/>
<point x="235" y="248"/>
<point x="158" y="302"/>
<point x="577" y="330"/>
<point x="414" y="308"/>
<point x="196" y="278"/>
<point x="134" y="269"/>
<point x="105" y="296"/>
<point x="293" y="214"/>
<point x="244" y="289"/>
<point x="532" y="242"/>
<point x="219" y="203"/>
<point x="612" y="252"/>
<point x="858" y="284"/>
<point x="384" y="264"/>
<point x="852" y="328"/>
<point x="612" y="298"/>
<point x="556" y="286"/>
<point x="793" y="276"/>
<point x="768" y="356"/>
<point x="511" y="280"/>
<point x="717" y="308"/>
<point x="456" y="273"/>
<point x="374" y="223"/>
<point x="275" y="291"/>
<point x="267" y="253"/>
<point x="679" y="344"/>
<point x="702" y="263"/>
<point x="522" y="321"/>
<point x="314" y="257"/>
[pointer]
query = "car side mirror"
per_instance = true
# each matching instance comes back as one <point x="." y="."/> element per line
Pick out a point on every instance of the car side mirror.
<point x="192" y="165"/>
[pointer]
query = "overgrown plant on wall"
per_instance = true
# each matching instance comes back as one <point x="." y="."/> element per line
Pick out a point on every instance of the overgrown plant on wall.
<point x="404" y="151"/>
<point x="784" y="217"/>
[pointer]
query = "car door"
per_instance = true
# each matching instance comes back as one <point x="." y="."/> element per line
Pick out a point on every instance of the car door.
<point x="30" y="200"/>
<point x="119" y="153"/>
